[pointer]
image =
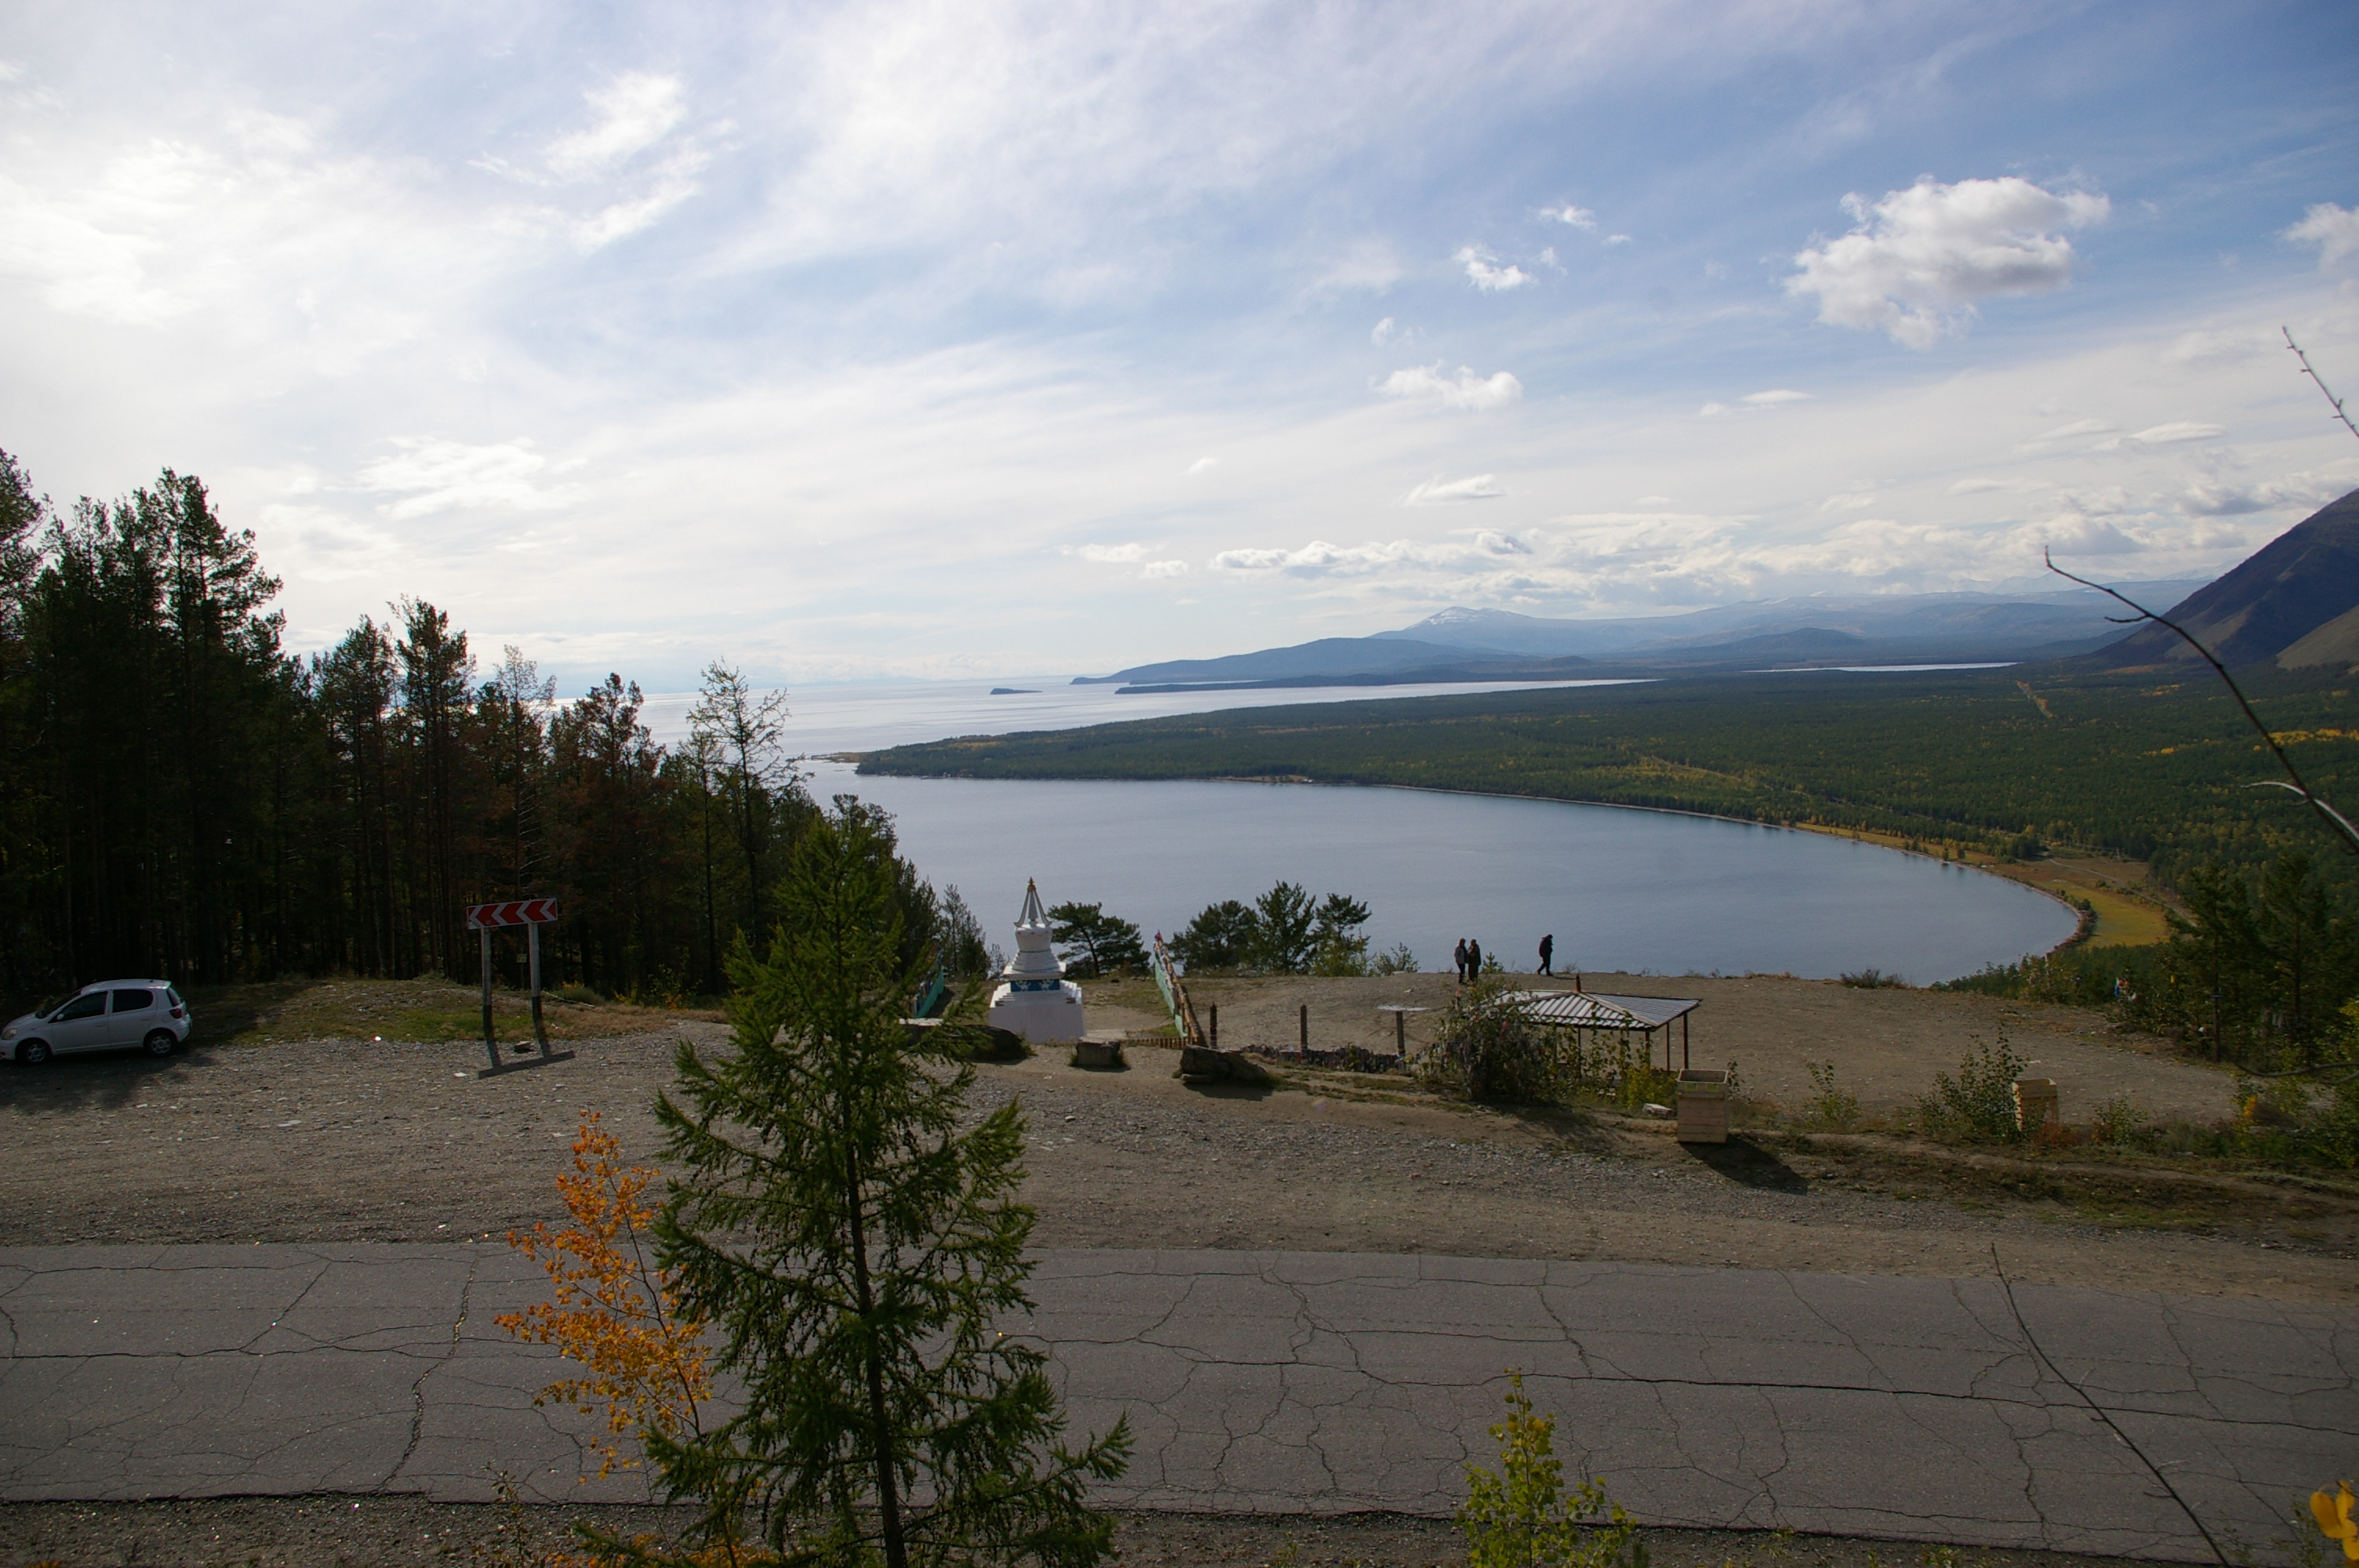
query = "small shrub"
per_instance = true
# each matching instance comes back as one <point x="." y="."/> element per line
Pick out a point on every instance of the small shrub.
<point x="1523" y="1517"/>
<point x="1873" y="980"/>
<point x="1639" y="1085"/>
<point x="1836" y="1109"/>
<point x="1486" y="1047"/>
<point x="1399" y="961"/>
<point x="2117" y="1122"/>
<point x="1979" y="1102"/>
<point x="579" y="996"/>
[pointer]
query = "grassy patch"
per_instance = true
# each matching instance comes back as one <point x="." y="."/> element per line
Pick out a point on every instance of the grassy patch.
<point x="2122" y="921"/>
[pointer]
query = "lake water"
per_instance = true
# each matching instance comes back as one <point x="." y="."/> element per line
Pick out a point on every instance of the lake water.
<point x="1621" y="890"/>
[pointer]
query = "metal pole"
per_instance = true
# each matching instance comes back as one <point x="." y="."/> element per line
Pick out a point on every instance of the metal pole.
<point x="540" y="1038"/>
<point x="491" y="1041"/>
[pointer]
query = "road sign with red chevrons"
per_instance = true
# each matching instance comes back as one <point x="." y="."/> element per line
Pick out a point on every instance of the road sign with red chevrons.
<point x="524" y="912"/>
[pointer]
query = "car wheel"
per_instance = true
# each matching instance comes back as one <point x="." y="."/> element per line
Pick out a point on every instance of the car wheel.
<point x="162" y="1042"/>
<point x="33" y="1053"/>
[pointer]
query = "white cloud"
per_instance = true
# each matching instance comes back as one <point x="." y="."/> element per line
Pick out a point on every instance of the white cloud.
<point x="2333" y="230"/>
<point x="1480" y="487"/>
<point x="1368" y="268"/>
<point x="1203" y="465"/>
<point x="1618" y="238"/>
<point x="1484" y="275"/>
<point x="2218" y="347"/>
<point x="1854" y="501"/>
<point x="1112" y="554"/>
<point x="2074" y="536"/>
<point x="2068" y="432"/>
<point x="1384" y="332"/>
<point x="1921" y="259"/>
<point x="1769" y="399"/>
<point x="1494" y="543"/>
<point x="2176" y="431"/>
<point x="1468" y="391"/>
<point x="1319" y="558"/>
<point x="1985" y="486"/>
<point x="1155" y="569"/>
<point x="1578" y="217"/>
<point x="2216" y="498"/>
<point x="636" y="111"/>
<point x="439" y="475"/>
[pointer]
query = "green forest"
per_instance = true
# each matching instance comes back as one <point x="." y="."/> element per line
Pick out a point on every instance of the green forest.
<point x="181" y="798"/>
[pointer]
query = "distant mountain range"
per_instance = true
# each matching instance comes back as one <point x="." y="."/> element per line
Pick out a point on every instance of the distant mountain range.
<point x="1464" y="646"/>
<point x="2295" y="602"/>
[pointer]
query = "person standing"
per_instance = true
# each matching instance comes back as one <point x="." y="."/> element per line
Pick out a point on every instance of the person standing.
<point x="1458" y="955"/>
<point x="1548" y="952"/>
<point x="1473" y="959"/>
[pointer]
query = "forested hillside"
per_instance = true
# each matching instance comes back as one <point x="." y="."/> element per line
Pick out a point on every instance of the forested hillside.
<point x="1991" y="759"/>
<point x="181" y="797"/>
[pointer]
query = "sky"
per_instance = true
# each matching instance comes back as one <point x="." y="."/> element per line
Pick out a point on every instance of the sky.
<point x="951" y="341"/>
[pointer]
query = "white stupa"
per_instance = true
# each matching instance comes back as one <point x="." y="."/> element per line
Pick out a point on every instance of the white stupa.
<point x="1034" y="998"/>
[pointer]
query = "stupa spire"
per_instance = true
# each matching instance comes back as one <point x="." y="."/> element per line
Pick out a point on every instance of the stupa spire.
<point x="1032" y="915"/>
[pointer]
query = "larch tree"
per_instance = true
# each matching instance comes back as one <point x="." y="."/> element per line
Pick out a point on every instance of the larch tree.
<point x="857" y="1248"/>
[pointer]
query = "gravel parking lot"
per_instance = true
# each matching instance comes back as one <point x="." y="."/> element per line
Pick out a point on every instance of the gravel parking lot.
<point x="339" y="1140"/>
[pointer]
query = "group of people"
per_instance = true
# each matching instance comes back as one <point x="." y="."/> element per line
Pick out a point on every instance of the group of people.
<point x="1468" y="956"/>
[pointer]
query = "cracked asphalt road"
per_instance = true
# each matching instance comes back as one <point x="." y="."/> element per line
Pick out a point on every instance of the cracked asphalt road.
<point x="1986" y="1414"/>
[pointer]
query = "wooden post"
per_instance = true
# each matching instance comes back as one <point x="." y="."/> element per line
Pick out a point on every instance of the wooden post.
<point x="491" y="1040"/>
<point x="1400" y="1033"/>
<point x="1306" y="1028"/>
<point x="1216" y="1040"/>
<point x="539" y="1037"/>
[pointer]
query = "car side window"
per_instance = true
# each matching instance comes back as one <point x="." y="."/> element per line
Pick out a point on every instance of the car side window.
<point x="172" y="996"/>
<point x="89" y="1006"/>
<point x="133" y="1002"/>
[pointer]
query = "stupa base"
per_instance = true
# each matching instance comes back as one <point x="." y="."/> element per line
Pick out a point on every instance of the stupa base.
<point x="1042" y="1017"/>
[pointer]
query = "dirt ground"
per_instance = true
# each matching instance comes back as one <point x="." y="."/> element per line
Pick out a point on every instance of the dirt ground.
<point x="1887" y="1045"/>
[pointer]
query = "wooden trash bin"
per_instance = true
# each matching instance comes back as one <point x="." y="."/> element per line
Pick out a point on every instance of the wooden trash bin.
<point x="1703" y="1105"/>
<point x="2035" y="1103"/>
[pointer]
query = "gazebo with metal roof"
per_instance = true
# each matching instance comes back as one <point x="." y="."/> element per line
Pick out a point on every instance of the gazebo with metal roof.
<point x="1624" y="1015"/>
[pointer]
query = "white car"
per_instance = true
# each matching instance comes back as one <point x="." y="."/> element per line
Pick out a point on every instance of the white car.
<point x="107" y="1016"/>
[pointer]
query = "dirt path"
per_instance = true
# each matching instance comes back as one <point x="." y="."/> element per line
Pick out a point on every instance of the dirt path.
<point x="328" y="1139"/>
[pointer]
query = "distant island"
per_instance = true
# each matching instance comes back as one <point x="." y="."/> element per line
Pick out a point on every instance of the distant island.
<point x="1016" y="691"/>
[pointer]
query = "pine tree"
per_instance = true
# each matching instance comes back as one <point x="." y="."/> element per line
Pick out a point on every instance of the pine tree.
<point x="855" y="1249"/>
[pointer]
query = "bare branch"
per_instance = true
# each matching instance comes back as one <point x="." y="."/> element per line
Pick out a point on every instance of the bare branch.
<point x="2340" y="411"/>
<point x="2343" y="831"/>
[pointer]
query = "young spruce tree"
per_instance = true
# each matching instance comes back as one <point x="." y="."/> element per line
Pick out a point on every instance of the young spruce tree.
<point x="855" y="1249"/>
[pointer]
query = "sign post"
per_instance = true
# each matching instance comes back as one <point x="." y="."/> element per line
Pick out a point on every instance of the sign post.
<point x="532" y="913"/>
